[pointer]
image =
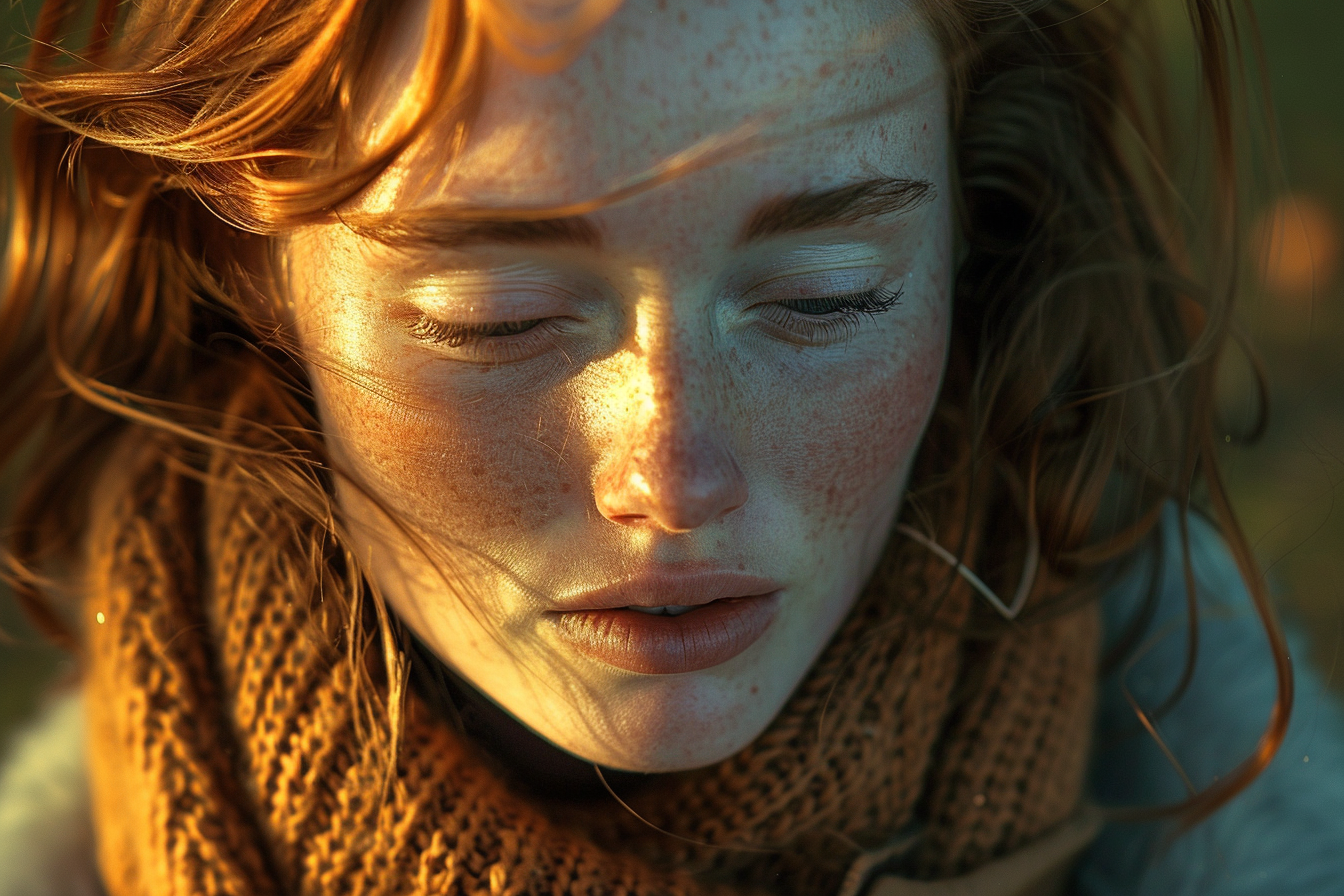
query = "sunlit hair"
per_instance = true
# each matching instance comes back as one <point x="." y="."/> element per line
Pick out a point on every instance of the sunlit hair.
<point x="152" y="166"/>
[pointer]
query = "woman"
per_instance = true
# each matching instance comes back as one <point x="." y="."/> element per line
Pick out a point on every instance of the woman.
<point x="553" y="448"/>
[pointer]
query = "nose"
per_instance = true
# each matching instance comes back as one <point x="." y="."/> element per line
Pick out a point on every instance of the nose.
<point x="672" y="466"/>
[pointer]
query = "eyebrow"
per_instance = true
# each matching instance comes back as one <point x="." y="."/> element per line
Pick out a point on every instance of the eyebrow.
<point x="440" y="227"/>
<point x="837" y="207"/>
<point x="793" y="213"/>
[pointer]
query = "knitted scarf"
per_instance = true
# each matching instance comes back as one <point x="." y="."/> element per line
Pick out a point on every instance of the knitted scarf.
<point x="229" y="753"/>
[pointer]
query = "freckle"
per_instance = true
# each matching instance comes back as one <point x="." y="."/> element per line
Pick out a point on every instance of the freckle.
<point x="825" y="70"/>
<point x="755" y="690"/>
<point x="741" y="567"/>
<point x="564" y="488"/>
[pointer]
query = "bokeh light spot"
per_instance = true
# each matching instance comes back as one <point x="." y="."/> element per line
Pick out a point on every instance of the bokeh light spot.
<point x="1297" y="247"/>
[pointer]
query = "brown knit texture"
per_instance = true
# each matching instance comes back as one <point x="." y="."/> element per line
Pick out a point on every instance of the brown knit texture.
<point x="227" y="755"/>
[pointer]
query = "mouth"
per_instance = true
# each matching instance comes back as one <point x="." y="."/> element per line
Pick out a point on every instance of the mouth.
<point x="670" y="610"/>
<point x="670" y="624"/>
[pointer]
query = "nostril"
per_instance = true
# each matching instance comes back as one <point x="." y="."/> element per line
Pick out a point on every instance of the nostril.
<point x="626" y="517"/>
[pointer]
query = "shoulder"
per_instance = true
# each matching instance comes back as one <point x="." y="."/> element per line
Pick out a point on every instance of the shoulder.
<point x="1284" y="833"/>
<point x="46" y="839"/>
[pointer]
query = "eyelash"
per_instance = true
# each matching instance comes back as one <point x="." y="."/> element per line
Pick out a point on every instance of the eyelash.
<point x="831" y="318"/>
<point x="489" y="343"/>
<point x="820" y="320"/>
<point x="441" y="332"/>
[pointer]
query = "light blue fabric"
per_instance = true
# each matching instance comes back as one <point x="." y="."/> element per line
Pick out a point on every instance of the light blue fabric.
<point x="1284" y="835"/>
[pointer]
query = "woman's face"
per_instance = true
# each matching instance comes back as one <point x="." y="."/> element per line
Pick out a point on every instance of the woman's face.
<point x="707" y="396"/>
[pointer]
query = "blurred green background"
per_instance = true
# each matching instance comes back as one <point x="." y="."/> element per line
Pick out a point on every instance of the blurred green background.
<point x="1287" y="486"/>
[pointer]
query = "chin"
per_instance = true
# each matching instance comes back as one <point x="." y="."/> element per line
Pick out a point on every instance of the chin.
<point x="669" y="723"/>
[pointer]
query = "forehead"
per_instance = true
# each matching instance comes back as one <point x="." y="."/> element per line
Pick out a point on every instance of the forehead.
<point x="820" y="92"/>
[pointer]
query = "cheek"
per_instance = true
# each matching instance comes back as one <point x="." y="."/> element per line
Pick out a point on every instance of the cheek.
<point x="470" y="469"/>
<point x="474" y="467"/>
<point x="842" y="452"/>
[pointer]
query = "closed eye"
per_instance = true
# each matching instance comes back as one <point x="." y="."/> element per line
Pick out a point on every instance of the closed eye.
<point x="872" y="301"/>
<point x="495" y="342"/>
<point x="452" y="335"/>
<point x="827" y="319"/>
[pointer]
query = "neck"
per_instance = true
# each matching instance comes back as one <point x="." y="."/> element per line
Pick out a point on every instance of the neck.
<point x="526" y="758"/>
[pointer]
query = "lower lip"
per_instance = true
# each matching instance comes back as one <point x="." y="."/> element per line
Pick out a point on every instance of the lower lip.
<point x="667" y="645"/>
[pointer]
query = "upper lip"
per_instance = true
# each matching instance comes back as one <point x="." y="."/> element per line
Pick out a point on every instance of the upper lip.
<point x="667" y="588"/>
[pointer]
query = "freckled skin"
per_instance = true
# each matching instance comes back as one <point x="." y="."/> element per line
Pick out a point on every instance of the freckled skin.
<point x="666" y="420"/>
